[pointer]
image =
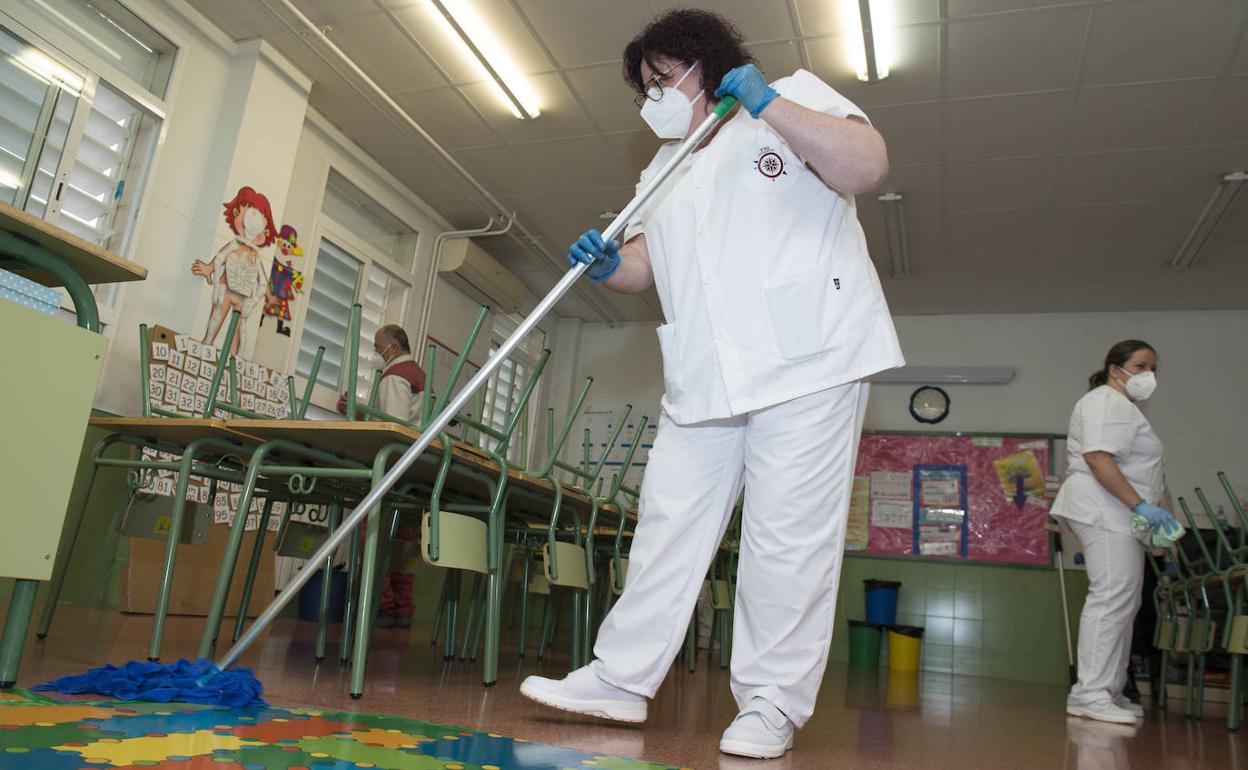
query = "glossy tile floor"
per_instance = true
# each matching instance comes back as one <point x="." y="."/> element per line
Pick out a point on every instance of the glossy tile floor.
<point x="862" y="720"/>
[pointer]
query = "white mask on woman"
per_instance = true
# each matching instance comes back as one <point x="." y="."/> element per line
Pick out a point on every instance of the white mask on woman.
<point x="669" y="117"/>
<point x="1141" y="385"/>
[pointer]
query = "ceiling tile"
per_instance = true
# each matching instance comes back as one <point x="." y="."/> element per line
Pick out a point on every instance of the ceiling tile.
<point x="1000" y="184"/>
<point x="561" y="115"/>
<point x="1226" y="119"/>
<point x="334" y="11"/>
<point x="240" y="19"/>
<point x="384" y="135"/>
<point x="912" y="132"/>
<point x="920" y="187"/>
<point x="383" y="51"/>
<point x="498" y="168"/>
<point x="829" y="17"/>
<point x="1200" y="169"/>
<point x="1239" y="65"/>
<point x="778" y="60"/>
<point x="1116" y="225"/>
<point x="1116" y="177"/>
<point x="1002" y="126"/>
<point x="1161" y="40"/>
<point x="562" y="25"/>
<point x="1176" y="219"/>
<point x="915" y="76"/>
<point x="967" y="231"/>
<point x="427" y="175"/>
<point x="1137" y="117"/>
<point x="757" y="19"/>
<point x="444" y="113"/>
<point x="958" y="8"/>
<point x="606" y="96"/>
<point x="1017" y="52"/>
<point x="1235" y="223"/>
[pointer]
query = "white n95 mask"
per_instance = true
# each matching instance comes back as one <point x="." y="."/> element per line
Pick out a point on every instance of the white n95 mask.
<point x="669" y="117"/>
<point x="1140" y="386"/>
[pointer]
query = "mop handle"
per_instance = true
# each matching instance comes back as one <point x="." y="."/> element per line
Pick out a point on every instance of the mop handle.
<point x="405" y="461"/>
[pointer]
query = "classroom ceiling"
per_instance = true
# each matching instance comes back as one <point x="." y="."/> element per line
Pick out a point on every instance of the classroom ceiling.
<point x="1053" y="154"/>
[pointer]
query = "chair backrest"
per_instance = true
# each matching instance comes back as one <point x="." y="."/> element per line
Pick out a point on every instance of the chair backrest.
<point x="463" y="542"/>
<point x="570" y="559"/>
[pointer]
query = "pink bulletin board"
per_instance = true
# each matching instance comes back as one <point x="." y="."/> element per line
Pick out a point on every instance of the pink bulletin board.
<point x="998" y="527"/>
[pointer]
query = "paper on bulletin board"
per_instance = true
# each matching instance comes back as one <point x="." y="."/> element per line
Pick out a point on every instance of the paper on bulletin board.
<point x="1022" y="465"/>
<point x="939" y="492"/>
<point x="892" y="514"/>
<point x="893" y="485"/>
<point x="856" y="530"/>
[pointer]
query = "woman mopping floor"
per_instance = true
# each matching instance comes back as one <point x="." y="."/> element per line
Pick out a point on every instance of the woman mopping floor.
<point x="774" y="317"/>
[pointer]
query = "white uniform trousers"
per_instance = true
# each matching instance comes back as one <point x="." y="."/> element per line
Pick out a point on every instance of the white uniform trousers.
<point x="1115" y="579"/>
<point x="796" y="460"/>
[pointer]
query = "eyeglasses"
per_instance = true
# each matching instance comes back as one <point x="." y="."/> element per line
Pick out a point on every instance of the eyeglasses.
<point x="654" y="87"/>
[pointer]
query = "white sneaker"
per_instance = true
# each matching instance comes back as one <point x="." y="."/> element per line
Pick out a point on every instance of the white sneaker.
<point x="761" y="731"/>
<point x="1123" y="702"/>
<point x="1104" y="710"/>
<point x="583" y="692"/>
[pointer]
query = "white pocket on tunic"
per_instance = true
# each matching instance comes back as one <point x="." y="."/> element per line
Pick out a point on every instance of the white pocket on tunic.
<point x="807" y="316"/>
<point x="670" y="348"/>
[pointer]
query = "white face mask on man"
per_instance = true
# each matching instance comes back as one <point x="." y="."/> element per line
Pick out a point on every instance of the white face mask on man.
<point x="670" y="115"/>
<point x="1141" y="385"/>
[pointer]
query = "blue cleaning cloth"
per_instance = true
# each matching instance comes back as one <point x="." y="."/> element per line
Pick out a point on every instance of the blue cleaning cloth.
<point x="181" y="682"/>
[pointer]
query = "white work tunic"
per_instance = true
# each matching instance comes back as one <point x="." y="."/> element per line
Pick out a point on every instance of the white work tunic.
<point x="762" y="271"/>
<point x="1105" y="420"/>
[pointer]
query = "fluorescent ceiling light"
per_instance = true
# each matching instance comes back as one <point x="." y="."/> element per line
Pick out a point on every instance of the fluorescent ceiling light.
<point x="1209" y="220"/>
<point x="945" y="375"/>
<point x="895" y="230"/>
<point x="871" y="33"/>
<point x="511" y="85"/>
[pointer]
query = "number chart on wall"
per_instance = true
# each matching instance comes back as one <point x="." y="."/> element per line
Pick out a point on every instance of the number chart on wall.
<point x="978" y="498"/>
<point x="601" y="424"/>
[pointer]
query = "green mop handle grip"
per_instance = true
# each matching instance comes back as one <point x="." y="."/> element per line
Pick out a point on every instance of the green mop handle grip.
<point x="725" y="106"/>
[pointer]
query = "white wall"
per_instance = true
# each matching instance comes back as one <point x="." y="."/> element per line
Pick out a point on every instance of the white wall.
<point x="1200" y="410"/>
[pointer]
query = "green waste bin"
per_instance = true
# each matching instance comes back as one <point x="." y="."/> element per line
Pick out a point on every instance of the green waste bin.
<point x="864" y="643"/>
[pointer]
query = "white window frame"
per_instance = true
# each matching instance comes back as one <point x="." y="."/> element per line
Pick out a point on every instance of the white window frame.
<point x="65" y="50"/>
<point x="370" y="258"/>
<point x="527" y="355"/>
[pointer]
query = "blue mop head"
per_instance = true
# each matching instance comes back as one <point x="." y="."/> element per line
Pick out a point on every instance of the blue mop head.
<point x="181" y="682"/>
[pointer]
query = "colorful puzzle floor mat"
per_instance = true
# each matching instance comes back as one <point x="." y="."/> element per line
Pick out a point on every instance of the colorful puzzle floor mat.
<point x="38" y="733"/>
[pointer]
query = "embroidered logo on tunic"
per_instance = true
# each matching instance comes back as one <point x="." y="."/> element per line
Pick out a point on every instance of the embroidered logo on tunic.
<point x="770" y="164"/>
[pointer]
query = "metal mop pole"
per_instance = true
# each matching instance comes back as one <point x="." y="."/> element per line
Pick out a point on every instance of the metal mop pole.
<point x="1061" y="576"/>
<point x="476" y="383"/>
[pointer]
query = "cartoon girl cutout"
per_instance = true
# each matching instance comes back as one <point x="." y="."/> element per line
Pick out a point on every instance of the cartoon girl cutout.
<point x="235" y="273"/>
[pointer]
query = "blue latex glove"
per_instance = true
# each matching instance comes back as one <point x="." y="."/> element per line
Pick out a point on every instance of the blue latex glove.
<point x="602" y="257"/>
<point x="1159" y="519"/>
<point x="750" y="87"/>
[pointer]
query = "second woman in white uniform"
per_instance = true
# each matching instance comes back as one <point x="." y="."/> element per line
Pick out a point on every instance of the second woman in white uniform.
<point x="1115" y="469"/>
<point x="774" y="317"/>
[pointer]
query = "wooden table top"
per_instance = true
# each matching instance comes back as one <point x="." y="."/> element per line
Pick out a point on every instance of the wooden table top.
<point x="93" y="263"/>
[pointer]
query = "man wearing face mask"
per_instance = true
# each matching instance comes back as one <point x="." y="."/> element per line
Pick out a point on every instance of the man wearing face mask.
<point x="402" y="379"/>
<point x="402" y="382"/>
<point x="1115" y="473"/>
<point x="774" y="318"/>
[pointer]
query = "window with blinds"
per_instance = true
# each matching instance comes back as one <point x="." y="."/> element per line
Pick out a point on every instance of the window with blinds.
<point x="365" y="255"/>
<point x="506" y="385"/>
<point x="334" y="287"/>
<point x="74" y="148"/>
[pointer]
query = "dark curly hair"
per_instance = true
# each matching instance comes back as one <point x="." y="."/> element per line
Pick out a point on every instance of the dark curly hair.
<point x="687" y="35"/>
